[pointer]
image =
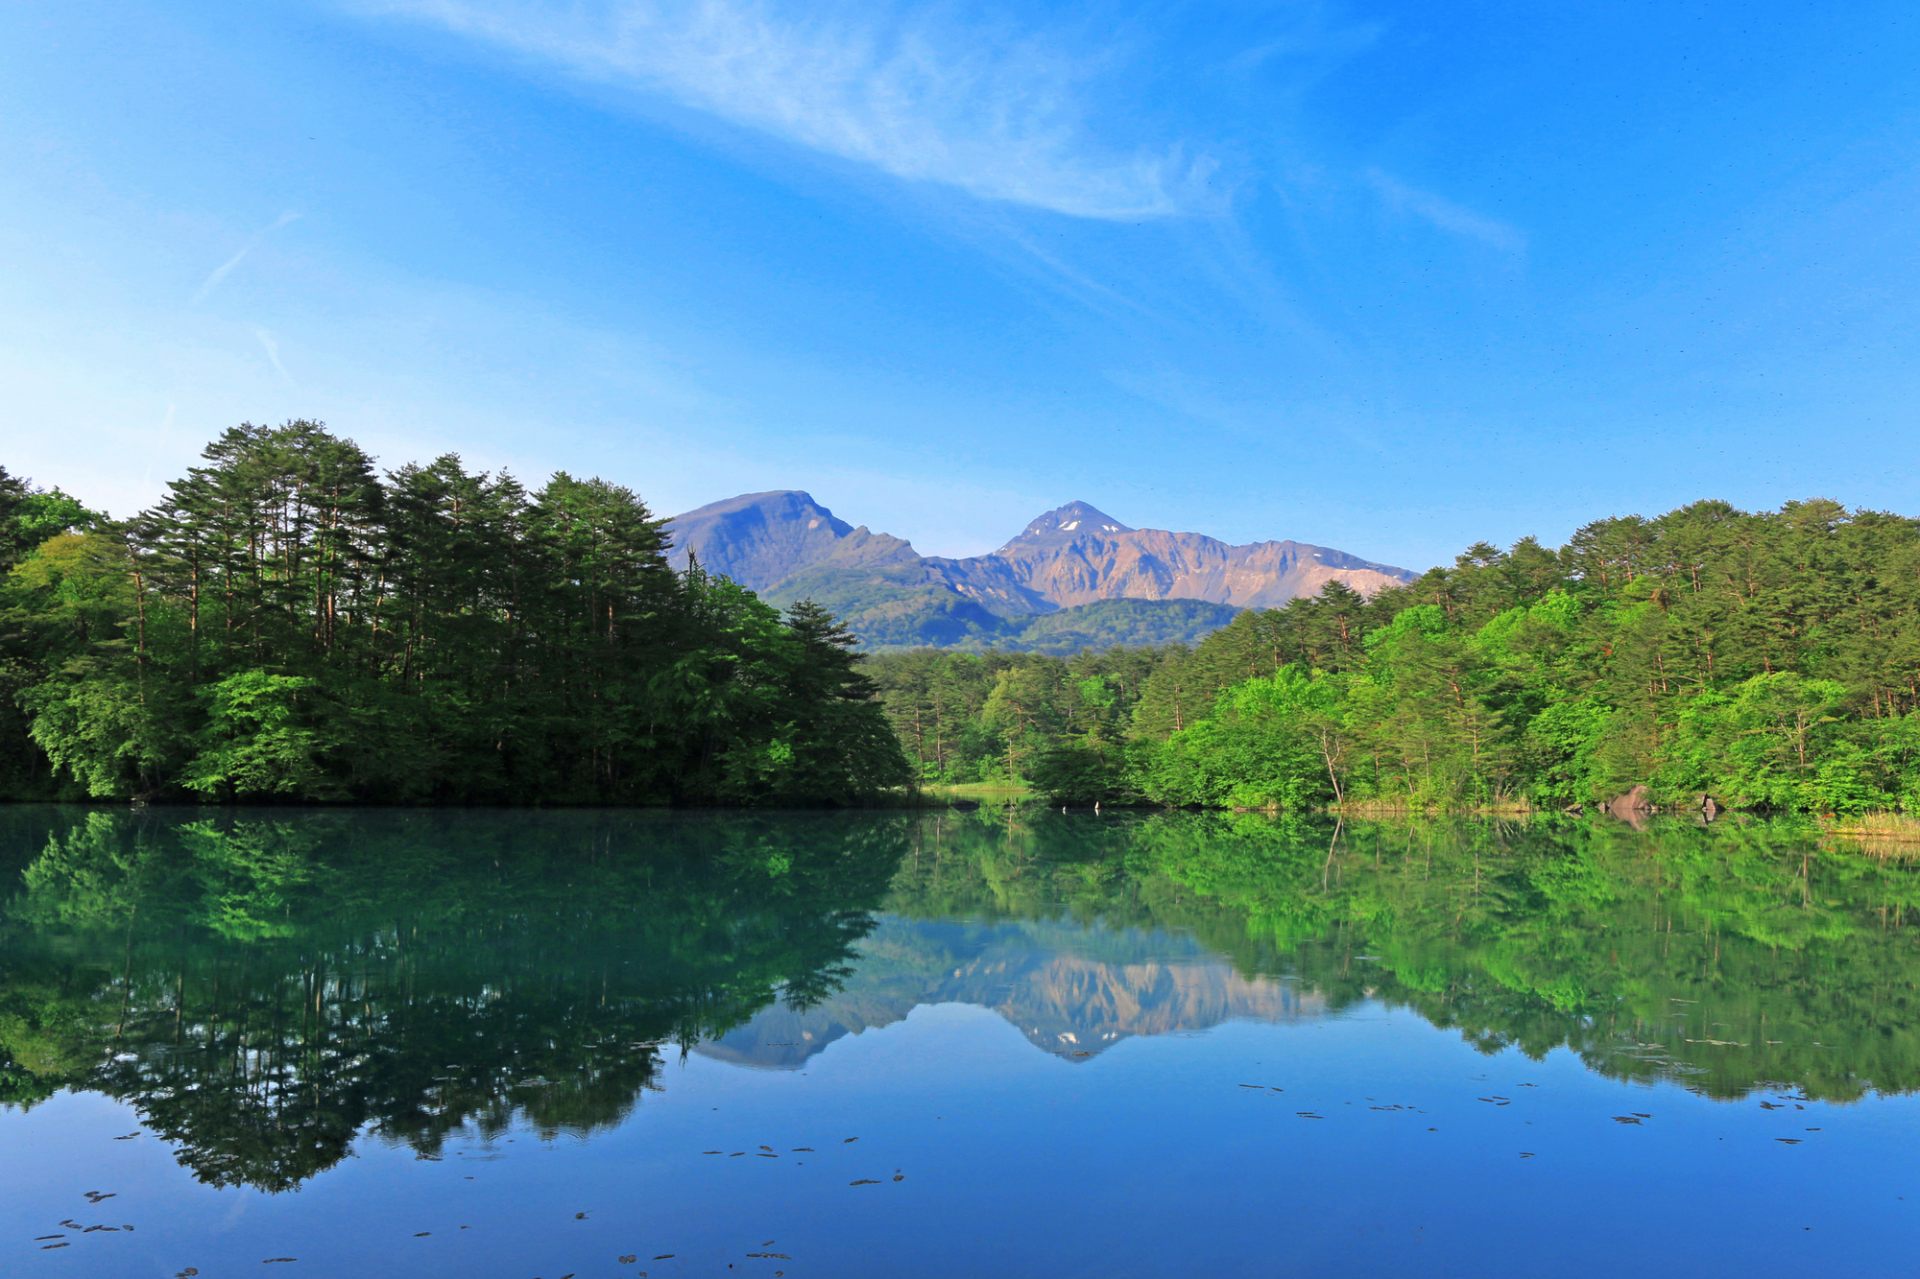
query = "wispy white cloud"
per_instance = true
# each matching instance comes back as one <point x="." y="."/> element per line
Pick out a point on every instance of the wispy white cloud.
<point x="221" y="272"/>
<point x="271" y="346"/>
<point x="1313" y="40"/>
<point x="1443" y="214"/>
<point x="1002" y="114"/>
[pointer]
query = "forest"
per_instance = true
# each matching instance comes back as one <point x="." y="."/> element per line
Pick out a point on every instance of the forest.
<point x="1770" y="661"/>
<point x="290" y="624"/>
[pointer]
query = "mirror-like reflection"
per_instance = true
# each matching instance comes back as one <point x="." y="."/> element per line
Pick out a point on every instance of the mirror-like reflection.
<point x="261" y="989"/>
<point x="265" y="988"/>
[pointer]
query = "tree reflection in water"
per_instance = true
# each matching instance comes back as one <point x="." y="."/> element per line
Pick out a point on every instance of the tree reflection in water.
<point x="265" y="989"/>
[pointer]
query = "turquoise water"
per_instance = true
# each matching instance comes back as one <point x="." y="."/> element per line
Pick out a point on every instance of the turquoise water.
<point x="527" y="1044"/>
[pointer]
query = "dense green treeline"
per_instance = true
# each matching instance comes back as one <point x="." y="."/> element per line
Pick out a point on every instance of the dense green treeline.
<point x="290" y="624"/>
<point x="967" y="717"/>
<point x="1769" y="660"/>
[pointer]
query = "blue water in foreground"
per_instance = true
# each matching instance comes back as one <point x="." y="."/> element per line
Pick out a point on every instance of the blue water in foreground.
<point x="954" y="1044"/>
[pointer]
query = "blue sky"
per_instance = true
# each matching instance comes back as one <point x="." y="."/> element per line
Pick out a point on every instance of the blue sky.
<point x="1391" y="278"/>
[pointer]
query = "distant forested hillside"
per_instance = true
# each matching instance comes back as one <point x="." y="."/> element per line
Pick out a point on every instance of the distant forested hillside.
<point x="892" y="609"/>
<point x="1110" y="624"/>
<point x="1763" y="659"/>
<point x="290" y="624"/>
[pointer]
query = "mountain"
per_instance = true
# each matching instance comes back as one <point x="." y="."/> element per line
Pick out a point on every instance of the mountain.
<point x="1074" y="578"/>
<point x="1077" y="554"/>
<point x="761" y="539"/>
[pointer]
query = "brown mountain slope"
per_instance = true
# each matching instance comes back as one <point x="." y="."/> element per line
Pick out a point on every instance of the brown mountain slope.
<point x="1077" y="555"/>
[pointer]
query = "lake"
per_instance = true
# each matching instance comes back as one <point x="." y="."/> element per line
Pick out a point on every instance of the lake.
<point x="949" y="1043"/>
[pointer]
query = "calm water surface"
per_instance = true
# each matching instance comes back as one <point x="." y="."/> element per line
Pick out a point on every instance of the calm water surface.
<point x="955" y="1044"/>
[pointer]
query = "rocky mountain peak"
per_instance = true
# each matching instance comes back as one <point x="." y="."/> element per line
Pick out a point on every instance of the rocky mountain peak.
<point x="761" y="539"/>
<point x="780" y="504"/>
<point x="1075" y="519"/>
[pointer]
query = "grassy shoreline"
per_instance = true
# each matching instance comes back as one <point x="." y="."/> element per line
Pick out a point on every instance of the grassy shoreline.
<point x="933" y="793"/>
<point x="1885" y="833"/>
<point x="1887" y="829"/>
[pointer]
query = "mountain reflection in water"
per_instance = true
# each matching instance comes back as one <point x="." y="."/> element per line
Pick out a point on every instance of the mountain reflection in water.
<point x="1041" y="978"/>
<point x="265" y="987"/>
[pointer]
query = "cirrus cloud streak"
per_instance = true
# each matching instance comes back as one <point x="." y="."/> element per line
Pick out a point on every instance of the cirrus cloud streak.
<point x="1003" y="114"/>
